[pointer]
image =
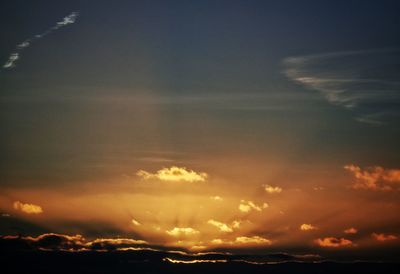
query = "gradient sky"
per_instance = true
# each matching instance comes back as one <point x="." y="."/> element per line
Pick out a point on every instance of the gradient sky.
<point x="204" y="125"/>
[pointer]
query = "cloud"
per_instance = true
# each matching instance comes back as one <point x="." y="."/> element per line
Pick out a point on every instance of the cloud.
<point x="365" y="81"/>
<point x="384" y="237"/>
<point x="374" y="178"/>
<point x="306" y="227"/>
<point x="351" y="230"/>
<point x="14" y="56"/>
<point x="113" y="243"/>
<point x="179" y="231"/>
<point x="53" y="241"/>
<point x="174" y="174"/>
<point x="334" y="242"/>
<point x="221" y="226"/>
<point x="272" y="189"/>
<point x="217" y="198"/>
<point x="27" y="208"/>
<point x="252" y="240"/>
<point x="135" y="222"/>
<point x="247" y="206"/>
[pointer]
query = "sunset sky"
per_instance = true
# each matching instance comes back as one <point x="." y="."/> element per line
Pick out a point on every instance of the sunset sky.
<point x="238" y="126"/>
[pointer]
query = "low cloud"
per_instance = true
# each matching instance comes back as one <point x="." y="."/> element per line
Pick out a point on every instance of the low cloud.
<point x="174" y="174"/>
<point x="27" y="208"/>
<point x="351" y="230"/>
<point x="216" y="198"/>
<point x="135" y="222"/>
<point x="272" y="189"/>
<point x="384" y="237"/>
<point x="242" y="240"/>
<point x="182" y="231"/>
<point x="334" y="242"/>
<point x="53" y="241"/>
<point x="252" y="240"/>
<point x="374" y="178"/>
<point x="15" y="56"/>
<point x="306" y="227"/>
<point x="221" y="226"/>
<point x="247" y="206"/>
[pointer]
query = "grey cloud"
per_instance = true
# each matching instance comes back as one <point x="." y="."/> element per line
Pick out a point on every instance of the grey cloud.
<point x="366" y="82"/>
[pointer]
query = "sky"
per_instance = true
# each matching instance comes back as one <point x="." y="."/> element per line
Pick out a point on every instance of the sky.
<point x="238" y="126"/>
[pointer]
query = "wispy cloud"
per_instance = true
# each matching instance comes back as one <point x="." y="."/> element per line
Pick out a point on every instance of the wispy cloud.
<point x="27" y="208"/>
<point x="174" y="174"/>
<point x="225" y="227"/>
<point x="375" y="178"/>
<point x="16" y="55"/>
<point x="365" y="81"/>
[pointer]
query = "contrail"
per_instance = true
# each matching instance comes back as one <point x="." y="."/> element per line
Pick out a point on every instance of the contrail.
<point x="15" y="56"/>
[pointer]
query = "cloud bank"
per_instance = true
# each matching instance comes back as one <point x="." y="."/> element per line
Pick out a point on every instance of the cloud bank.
<point x="16" y="55"/>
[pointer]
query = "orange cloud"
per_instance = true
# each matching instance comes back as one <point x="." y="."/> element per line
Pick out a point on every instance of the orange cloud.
<point x="252" y="240"/>
<point x="383" y="237"/>
<point x="306" y="227"/>
<point x="246" y="206"/>
<point x="351" y="230"/>
<point x="179" y="231"/>
<point x="27" y="208"/>
<point x="135" y="222"/>
<point x="334" y="242"/>
<point x="221" y="226"/>
<point x="174" y="174"/>
<point x="272" y="189"/>
<point x="374" y="178"/>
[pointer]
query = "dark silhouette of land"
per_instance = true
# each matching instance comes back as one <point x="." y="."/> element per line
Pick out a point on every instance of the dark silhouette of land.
<point x="155" y="262"/>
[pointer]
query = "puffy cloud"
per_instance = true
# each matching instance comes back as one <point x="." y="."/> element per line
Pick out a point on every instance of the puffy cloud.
<point x="174" y="174"/>
<point x="221" y="226"/>
<point x="383" y="237"/>
<point x="374" y="178"/>
<point x="334" y="242"/>
<point x="179" y="231"/>
<point x="351" y="230"/>
<point x="272" y="189"/>
<point x="306" y="227"/>
<point x="27" y="208"/>
<point x="247" y="206"/>
<point x="252" y="240"/>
